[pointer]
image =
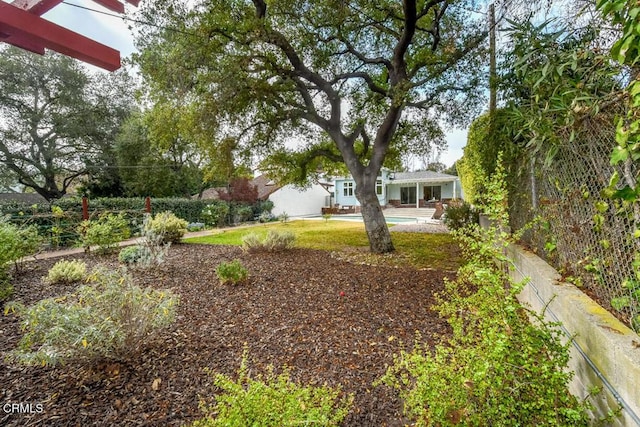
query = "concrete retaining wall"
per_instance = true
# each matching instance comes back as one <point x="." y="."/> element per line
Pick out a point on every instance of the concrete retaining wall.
<point x="605" y="353"/>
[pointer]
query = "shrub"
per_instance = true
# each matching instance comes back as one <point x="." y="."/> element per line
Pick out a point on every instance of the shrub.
<point x="169" y="226"/>
<point x="6" y="288"/>
<point x="130" y="254"/>
<point x="279" y="241"/>
<point x="16" y="243"/>
<point x="195" y="226"/>
<point x="274" y="241"/>
<point x="252" y="242"/>
<point x="498" y="368"/>
<point x="273" y="401"/>
<point x="215" y="213"/>
<point x="231" y="272"/>
<point x="460" y="214"/>
<point x="66" y="272"/>
<point x="152" y="249"/>
<point x="265" y="217"/>
<point x="242" y="213"/>
<point x="105" y="233"/>
<point x="109" y="319"/>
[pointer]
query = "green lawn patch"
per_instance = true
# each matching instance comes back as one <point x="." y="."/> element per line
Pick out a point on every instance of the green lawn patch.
<point x="421" y="250"/>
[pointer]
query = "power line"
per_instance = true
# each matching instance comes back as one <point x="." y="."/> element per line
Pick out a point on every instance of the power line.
<point x="125" y="18"/>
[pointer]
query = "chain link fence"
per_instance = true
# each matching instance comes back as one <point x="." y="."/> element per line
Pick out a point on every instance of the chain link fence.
<point x="591" y="239"/>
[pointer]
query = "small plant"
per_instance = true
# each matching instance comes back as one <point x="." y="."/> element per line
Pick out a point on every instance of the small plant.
<point x="151" y="249"/>
<point x="66" y="272"/>
<point x="326" y="217"/>
<point x="130" y="254"/>
<point x="459" y="214"/>
<point x="283" y="217"/>
<point x="169" y="226"/>
<point x="265" y="217"/>
<point x="274" y="241"/>
<point x="109" y="319"/>
<point x="231" y="272"/>
<point x="273" y="401"/>
<point x="105" y="233"/>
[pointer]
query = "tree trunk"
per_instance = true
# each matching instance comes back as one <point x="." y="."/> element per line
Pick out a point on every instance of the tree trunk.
<point x="374" y="221"/>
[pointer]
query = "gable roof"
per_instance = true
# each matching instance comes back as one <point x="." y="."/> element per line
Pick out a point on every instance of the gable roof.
<point x="31" y="198"/>
<point x="420" y="176"/>
<point x="266" y="186"/>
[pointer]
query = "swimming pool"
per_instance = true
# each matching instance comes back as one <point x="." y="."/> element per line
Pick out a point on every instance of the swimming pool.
<point x="390" y="219"/>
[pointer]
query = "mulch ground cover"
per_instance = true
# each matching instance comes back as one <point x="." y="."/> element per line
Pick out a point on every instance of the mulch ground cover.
<point x="328" y="319"/>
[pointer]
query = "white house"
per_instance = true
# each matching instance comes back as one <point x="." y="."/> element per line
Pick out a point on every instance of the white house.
<point x="291" y="200"/>
<point x="403" y="189"/>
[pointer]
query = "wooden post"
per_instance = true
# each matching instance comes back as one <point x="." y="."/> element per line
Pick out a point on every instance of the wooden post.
<point x="147" y="204"/>
<point x="85" y="208"/>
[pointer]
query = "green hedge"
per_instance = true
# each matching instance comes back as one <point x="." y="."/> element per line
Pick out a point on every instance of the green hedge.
<point x="60" y="226"/>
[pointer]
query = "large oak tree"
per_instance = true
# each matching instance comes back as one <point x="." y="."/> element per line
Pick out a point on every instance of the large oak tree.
<point x="363" y="74"/>
<point x="57" y="123"/>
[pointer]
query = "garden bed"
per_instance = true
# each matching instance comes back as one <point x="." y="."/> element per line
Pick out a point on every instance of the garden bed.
<point x="330" y="320"/>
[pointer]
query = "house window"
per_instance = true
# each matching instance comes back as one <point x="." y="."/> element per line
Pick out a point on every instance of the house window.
<point x="348" y="189"/>
<point x="433" y="192"/>
<point x="379" y="187"/>
<point x="408" y="195"/>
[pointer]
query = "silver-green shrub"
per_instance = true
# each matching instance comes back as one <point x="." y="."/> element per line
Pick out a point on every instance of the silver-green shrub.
<point x="152" y="248"/>
<point x="274" y="241"/>
<point x="109" y="319"/>
<point x="66" y="272"/>
<point x="130" y="254"/>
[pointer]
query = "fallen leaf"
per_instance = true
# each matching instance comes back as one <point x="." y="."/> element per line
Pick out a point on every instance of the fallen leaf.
<point x="156" y="384"/>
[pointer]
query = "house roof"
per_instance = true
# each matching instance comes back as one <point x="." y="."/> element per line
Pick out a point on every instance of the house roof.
<point x="31" y="198"/>
<point x="420" y="176"/>
<point x="266" y="186"/>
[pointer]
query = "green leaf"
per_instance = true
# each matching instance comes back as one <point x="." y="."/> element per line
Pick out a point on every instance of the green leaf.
<point x="620" y="303"/>
<point x="627" y="193"/>
<point x="619" y="155"/>
<point x="615" y="178"/>
<point x="601" y="206"/>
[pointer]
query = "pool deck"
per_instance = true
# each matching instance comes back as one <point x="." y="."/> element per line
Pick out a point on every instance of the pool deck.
<point x="394" y="216"/>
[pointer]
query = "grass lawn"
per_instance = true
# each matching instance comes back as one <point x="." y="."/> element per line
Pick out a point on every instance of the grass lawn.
<point x="421" y="250"/>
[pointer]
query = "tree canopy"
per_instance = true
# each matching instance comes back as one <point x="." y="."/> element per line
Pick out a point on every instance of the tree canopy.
<point x="55" y="120"/>
<point x="369" y="77"/>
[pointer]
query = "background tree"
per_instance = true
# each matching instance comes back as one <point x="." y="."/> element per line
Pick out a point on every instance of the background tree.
<point x="362" y="74"/>
<point x="54" y="120"/>
<point x="149" y="169"/>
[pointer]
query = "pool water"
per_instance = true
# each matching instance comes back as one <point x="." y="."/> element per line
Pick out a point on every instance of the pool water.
<point x="390" y="219"/>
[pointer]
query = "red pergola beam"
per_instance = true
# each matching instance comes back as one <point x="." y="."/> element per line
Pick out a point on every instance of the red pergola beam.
<point x="22" y="25"/>
<point x="37" y="7"/>
<point x="23" y="42"/>
<point x="40" y="7"/>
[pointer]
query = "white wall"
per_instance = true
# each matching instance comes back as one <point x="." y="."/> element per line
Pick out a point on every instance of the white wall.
<point x="296" y="202"/>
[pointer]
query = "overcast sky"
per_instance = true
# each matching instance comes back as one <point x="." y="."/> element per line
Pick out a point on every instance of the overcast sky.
<point x="113" y="32"/>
